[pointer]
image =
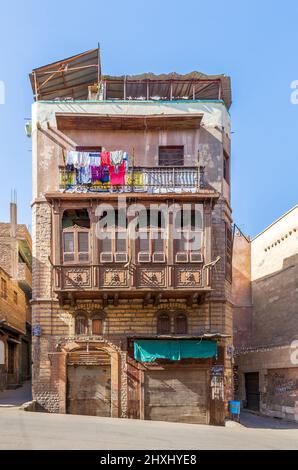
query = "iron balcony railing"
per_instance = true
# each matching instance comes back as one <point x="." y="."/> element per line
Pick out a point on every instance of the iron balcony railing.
<point x="141" y="179"/>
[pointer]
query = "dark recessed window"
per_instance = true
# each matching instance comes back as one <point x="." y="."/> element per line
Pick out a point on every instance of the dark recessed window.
<point x="181" y="324"/>
<point x="226" y="167"/>
<point x="163" y="324"/>
<point x="171" y="155"/>
<point x="81" y="325"/>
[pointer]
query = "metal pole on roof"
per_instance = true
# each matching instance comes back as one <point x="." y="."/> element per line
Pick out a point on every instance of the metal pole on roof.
<point x="98" y="65"/>
<point x="35" y="86"/>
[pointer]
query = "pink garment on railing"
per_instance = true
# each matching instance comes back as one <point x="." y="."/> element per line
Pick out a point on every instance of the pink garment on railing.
<point x="117" y="177"/>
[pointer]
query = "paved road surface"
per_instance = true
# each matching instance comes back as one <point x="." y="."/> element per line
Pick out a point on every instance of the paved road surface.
<point x="25" y="430"/>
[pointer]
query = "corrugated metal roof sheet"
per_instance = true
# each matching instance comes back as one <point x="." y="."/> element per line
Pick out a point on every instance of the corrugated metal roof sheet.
<point x="68" y="78"/>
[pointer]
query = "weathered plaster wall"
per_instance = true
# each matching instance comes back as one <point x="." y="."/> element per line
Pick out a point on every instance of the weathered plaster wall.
<point x="209" y="140"/>
<point x="278" y="380"/>
<point x="272" y="246"/>
<point x="241" y="291"/>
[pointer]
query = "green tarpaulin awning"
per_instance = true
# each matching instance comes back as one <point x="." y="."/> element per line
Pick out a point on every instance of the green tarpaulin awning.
<point x="146" y="350"/>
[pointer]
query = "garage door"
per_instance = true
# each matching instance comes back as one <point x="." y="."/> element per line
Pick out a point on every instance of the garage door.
<point x="176" y="395"/>
<point x="89" y="390"/>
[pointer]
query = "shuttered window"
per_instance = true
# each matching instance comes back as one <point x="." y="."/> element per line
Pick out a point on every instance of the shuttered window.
<point x="181" y="324"/>
<point x="81" y="325"/>
<point x="163" y="324"/>
<point x="96" y="326"/>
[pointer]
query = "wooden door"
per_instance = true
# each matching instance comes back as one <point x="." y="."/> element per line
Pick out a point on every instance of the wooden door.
<point x="252" y="391"/>
<point x="89" y="390"/>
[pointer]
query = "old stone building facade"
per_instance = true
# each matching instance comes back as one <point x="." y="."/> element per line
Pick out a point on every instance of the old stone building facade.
<point x="99" y="308"/>
<point x="265" y="296"/>
<point x="15" y="294"/>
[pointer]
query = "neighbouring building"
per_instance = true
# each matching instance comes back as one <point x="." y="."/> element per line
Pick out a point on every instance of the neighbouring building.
<point x="124" y="327"/>
<point x="15" y="294"/>
<point x="265" y="297"/>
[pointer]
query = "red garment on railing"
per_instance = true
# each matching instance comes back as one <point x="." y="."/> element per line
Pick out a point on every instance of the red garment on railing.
<point x="105" y="158"/>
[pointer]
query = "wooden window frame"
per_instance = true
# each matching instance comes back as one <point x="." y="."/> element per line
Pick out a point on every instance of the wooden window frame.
<point x="188" y="251"/>
<point x="97" y="317"/>
<point x="82" y="315"/>
<point x="180" y="314"/>
<point x="158" y="319"/>
<point x="113" y="238"/>
<point x="89" y="148"/>
<point x="76" y="230"/>
<point x="190" y="233"/>
<point x="151" y="251"/>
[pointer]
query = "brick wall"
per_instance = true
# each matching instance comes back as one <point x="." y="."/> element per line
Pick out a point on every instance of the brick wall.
<point x="275" y="300"/>
<point x="129" y="317"/>
<point x="14" y="313"/>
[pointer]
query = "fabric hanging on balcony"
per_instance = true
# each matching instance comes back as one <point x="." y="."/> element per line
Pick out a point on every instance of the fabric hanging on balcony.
<point x="84" y="175"/>
<point x="150" y="350"/>
<point x="116" y="158"/>
<point x="117" y="175"/>
<point x="105" y="158"/>
<point x="100" y="174"/>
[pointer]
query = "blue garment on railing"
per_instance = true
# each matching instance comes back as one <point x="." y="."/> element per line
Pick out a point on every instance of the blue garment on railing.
<point x="84" y="176"/>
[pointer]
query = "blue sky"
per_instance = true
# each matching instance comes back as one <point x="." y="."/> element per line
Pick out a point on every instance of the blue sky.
<point x="252" y="41"/>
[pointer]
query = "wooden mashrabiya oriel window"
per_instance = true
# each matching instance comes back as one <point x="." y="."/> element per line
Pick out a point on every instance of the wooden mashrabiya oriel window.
<point x="75" y="243"/>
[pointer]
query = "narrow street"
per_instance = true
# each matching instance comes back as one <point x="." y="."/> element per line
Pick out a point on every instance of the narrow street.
<point x="26" y="430"/>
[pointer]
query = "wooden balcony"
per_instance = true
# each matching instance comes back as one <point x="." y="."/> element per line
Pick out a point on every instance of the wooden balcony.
<point x="132" y="280"/>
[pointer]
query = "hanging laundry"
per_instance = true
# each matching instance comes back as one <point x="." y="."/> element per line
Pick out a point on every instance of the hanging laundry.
<point x="94" y="159"/>
<point x="67" y="178"/>
<point x="70" y="167"/>
<point x="116" y="158"/>
<point x="126" y="161"/>
<point x="99" y="173"/>
<point x="72" y="157"/>
<point x="83" y="159"/>
<point x="84" y="176"/>
<point x="105" y="158"/>
<point x="117" y="177"/>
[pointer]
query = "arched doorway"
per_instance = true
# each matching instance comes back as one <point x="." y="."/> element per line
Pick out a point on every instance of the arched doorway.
<point x="89" y="383"/>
